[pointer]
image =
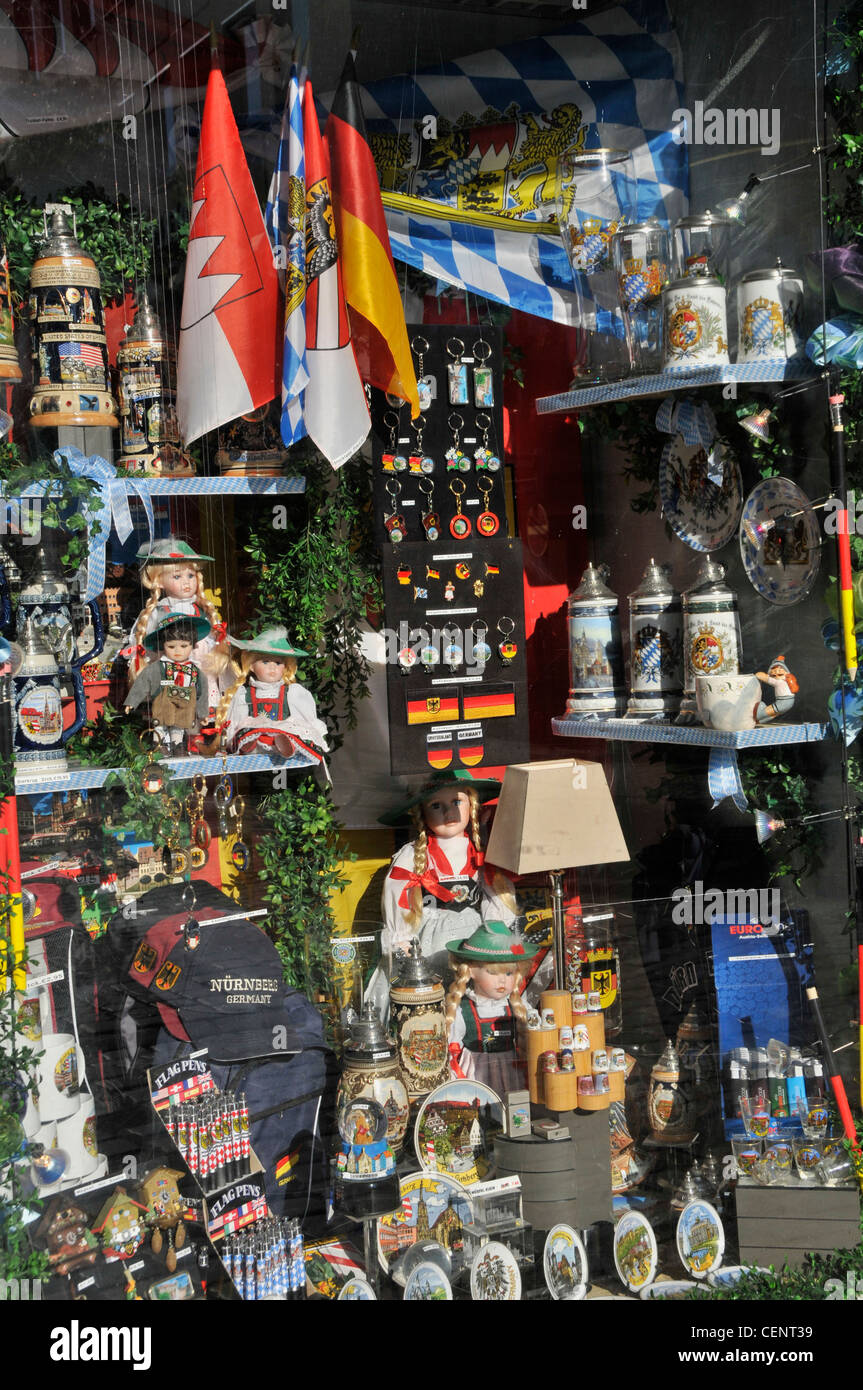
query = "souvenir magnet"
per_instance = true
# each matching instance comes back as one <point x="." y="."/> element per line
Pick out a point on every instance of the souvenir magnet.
<point x="456" y="372"/>
<point x="483" y="380"/>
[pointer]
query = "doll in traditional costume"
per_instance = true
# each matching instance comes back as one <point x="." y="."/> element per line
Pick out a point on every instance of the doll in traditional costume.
<point x="173" y="574"/>
<point x="438" y="884"/>
<point x="266" y="709"/>
<point x="172" y="685"/>
<point x="484" y="1009"/>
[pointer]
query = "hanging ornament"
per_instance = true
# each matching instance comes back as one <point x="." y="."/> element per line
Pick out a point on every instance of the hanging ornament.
<point x="70" y="354"/>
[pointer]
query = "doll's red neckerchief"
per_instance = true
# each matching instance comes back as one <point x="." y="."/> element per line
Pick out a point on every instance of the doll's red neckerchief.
<point x="438" y="865"/>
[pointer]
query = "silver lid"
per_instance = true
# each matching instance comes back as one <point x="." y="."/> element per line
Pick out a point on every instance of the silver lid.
<point x="655" y="583"/>
<point x="775" y="272"/>
<point x="368" y="1035"/>
<point x="691" y="283"/>
<point x="593" y="586"/>
<point x="651" y="225"/>
<point x="416" y="973"/>
<point x="145" y="327"/>
<point x="710" y="579"/>
<point x="61" y="238"/>
<point x="705" y="219"/>
<point x="670" y="1060"/>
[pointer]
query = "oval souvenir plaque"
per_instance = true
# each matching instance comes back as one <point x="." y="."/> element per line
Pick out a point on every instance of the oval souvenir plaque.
<point x="564" y="1262"/>
<point x="495" y="1275"/>
<point x="635" y="1256"/>
<point x="700" y="1239"/>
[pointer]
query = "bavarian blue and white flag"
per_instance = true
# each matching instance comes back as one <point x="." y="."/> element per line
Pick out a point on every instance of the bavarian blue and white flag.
<point x="286" y="223"/>
<point x="484" y="136"/>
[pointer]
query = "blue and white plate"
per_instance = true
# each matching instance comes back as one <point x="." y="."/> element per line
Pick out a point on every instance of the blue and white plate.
<point x="701" y="491"/>
<point x="781" y="565"/>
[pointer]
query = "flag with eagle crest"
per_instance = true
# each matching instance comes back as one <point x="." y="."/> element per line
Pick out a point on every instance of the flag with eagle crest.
<point x="286" y="223"/>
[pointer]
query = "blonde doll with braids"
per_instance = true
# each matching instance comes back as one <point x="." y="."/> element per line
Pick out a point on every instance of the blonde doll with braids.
<point x="439" y="884"/>
<point x="173" y="574"/>
<point x="266" y="709"/>
<point x="484" y="1010"/>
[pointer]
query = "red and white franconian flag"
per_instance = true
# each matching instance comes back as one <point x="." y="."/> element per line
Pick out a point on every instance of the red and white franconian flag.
<point x="229" y="359"/>
<point x="334" y="403"/>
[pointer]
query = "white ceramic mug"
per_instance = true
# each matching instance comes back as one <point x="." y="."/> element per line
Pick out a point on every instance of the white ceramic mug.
<point x="72" y="1133"/>
<point x="58" y="1077"/>
<point x="727" y="703"/>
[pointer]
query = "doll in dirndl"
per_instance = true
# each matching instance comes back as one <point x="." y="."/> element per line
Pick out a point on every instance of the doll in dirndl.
<point x="438" y="884"/>
<point x="484" y="1008"/>
<point x="266" y="710"/>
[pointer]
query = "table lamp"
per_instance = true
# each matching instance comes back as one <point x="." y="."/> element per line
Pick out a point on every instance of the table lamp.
<point x="555" y="816"/>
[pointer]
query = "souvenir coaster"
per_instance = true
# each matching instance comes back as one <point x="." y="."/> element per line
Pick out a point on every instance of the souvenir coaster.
<point x="635" y="1256"/>
<point x="433" y="1206"/>
<point x="564" y="1262"/>
<point x="701" y="491"/>
<point x="455" y="1131"/>
<point x="427" y="1283"/>
<point x="780" y="543"/>
<point x="495" y="1275"/>
<point x="700" y="1239"/>
<point x="357" y="1290"/>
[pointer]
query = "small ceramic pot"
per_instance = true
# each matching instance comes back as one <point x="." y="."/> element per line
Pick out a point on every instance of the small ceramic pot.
<point x="727" y="703"/>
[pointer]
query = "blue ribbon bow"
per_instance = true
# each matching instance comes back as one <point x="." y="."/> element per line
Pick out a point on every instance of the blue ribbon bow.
<point x="723" y="778"/>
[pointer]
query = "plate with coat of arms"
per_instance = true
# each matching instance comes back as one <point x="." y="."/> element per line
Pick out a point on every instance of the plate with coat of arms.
<point x="456" y="1128"/>
<point x="701" y="491"/>
<point x="433" y="1207"/>
<point x="495" y="1275"/>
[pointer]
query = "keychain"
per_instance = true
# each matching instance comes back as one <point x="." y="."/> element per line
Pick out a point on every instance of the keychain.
<point x="480" y="651"/>
<point x="153" y="776"/>
<point x="393" y="462"/>
<point x="430" y="520"/>
<point x="174" y="859"/>
<point x="429" y="656"/>
<point x="394" y="524"/>
<point x="418" y="461"/>
<point x="483" y="381"/>
<point x="407" y="660"/>
<point x="199" y="831"/>
<point x="425" y="384"/>
<point x="483" y="455"/>
<point x="453" y="652"/>
<point x="461" y="525"/>
<point x="240" y="854"/>
<point x="507" y="650"/>
<point x="223" y="796"/>
<point x="456" y="459"/>
<point x="457" y="372"/>
<point x="488" y="522"/>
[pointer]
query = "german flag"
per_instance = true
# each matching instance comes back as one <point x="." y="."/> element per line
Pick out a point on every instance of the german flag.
<point x="439" y="750"/>
<point x="487" y="705"/>
<point x="378" y="331"/>
<point x="433" y="709"/>
<point x="470" y="748"/>
<point x="285" y="1167"/>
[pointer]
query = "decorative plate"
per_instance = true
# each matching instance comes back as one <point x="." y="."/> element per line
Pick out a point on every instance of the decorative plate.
<point x="357" y="1290"/>
<point x="455" y="1131"/>
<point x="676" y="1289"/>
<point x="495" y="1275"/>
<point x="781" y="562"/>
<point x="564" y="1262"/>
<point x="433" y="1207"/>
<point x="730" y="1275"/>
<point x="427" y="1282"/>
<point x="701" y="491"/>
<point x="700" y="1239"/>
<point x="635" y="1254"/>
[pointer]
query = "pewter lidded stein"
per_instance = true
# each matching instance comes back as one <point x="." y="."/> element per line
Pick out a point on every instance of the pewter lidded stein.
<point x="655" y="647"/>
<point x="669" y="1101"/>
<point x="70" y="353"/>
<point x="595" y="659"/>
<point x="149" y="431"/>
<point x="417" y="1011"/>
<point x="371" y="1069"/>
<point x="711" y="633"/>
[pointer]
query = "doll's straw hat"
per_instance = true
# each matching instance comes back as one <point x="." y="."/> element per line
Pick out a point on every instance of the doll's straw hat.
<point x="270" y="641"/>
<point x="486" y="789"/>
<point x="162" y="633"/>
<point x="168" y="551"/>
<point x="493" y="943"/>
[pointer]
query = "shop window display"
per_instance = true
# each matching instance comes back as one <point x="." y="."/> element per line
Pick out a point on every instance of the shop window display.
<point x="293" y="642"/>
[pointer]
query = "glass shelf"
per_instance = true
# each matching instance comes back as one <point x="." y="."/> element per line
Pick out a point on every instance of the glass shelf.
<point x="693" y="735"/>
<point x="678" y="379"/>
<point x="180" y="769"/>
<point x="211" y="487"/>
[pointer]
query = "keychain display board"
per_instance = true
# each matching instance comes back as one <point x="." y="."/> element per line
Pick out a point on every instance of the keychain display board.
<point x="447" y="706"/>
<point x="414" y="480"/>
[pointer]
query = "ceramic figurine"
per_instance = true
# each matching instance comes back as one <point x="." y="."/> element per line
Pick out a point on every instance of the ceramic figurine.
<point x="266" y="709"/>
<point x="173" y="686"/>
<point x="438" y="885"/>
<point x="484" y="1007"/>
<point x="174" y="575"/>
<point x="784" y="687"/>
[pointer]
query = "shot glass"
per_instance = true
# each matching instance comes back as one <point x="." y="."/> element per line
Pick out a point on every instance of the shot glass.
<point x="808" y="1153"/>
<point x="814" y="1118"/>
<point x="757" y="1123"/>
<point x="836" y="1168"/>
<point x="747" y="1153"/>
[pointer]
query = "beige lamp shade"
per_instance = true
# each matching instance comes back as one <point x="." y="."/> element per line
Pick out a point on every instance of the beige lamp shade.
<point x="555" y="815"/>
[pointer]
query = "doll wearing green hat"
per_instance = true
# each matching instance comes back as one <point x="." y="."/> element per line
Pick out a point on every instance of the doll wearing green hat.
<point x="172" y="685"/>
<point x="266" y="709"/>
<point x="484" y="1009"/>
